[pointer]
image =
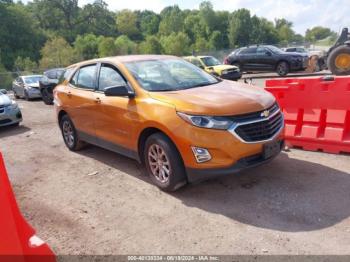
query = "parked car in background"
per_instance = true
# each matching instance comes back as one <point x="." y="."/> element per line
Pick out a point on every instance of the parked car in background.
<point x="10" y="114"/>
<point x="184" y="124"/>
<point x="267" y="58"/>
<point x="213" y="66"/>
<point x="27" y="87"/>
<point x="48" y="82"/>
<point x="301" y="50"/>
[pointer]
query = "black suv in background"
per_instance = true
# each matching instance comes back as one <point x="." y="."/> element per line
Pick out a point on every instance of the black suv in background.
<point x="267" y="58"/>
<point x="48" y="82"/>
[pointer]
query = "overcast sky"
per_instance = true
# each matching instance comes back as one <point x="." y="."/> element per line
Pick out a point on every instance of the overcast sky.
<point x="303" y="13"/>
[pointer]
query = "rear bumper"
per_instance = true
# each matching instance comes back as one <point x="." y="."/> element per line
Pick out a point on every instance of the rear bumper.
<point x="34" y="93"/>
<point x="195" y="175"/>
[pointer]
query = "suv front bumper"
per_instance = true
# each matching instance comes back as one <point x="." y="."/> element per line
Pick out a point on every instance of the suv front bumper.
<point x="196" y="175"/>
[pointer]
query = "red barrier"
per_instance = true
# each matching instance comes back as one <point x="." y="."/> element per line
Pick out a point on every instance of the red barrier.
<point x="316" y="110"/>
<point x="18" y="241"/>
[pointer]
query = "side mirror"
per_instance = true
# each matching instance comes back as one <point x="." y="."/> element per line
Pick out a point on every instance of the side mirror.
<point x="4" y="91"/>
<point x="119" y="91"/>
<point x="268" y="53"/>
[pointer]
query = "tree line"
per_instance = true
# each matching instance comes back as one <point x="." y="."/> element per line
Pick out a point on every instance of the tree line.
<point x="53" y="33"/>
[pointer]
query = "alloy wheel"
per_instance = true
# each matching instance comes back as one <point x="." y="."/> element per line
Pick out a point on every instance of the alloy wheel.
<point x="159" y="163"/>
<point x="68" y="133"/>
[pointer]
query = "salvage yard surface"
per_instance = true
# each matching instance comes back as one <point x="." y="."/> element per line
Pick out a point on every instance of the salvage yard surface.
<point x="98" y="202"/>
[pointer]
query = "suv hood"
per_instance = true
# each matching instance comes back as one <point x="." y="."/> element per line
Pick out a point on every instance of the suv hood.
<point x="222" y="67"/>
<point x="4" y="100"/>
<point x="295" y="54"/>
<point x="222" y="99"/>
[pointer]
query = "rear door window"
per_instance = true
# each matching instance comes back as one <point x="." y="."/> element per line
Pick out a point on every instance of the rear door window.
<point x="85" y="77"/>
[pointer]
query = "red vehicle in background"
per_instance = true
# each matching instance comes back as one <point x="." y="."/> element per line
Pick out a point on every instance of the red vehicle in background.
<point x="18" y="241"/>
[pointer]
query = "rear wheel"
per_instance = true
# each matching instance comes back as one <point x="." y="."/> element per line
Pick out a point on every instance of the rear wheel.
<point x="46" y="97"/>
<point x="164" y="163"/>
<point x="282" y="68"/>
<point x="339" y="60"/>
<point x="70" y="135"/>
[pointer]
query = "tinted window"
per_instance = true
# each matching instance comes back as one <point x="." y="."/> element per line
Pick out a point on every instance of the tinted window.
<point x="248" y="51"/>
<point x="109" y="76"/>
<point x="85" y="77"/>
<point x="261" y="50"/>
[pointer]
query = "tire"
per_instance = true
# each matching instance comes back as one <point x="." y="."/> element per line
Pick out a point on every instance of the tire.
<point x="26" y="96"/>
<point x="282" y="68"/>
<point x="15" y="95"/>
<point x="69" y="134"/>
<point x="338" y="60"/>
<point x="46" y="98"/>
<point x="161" y="153"/>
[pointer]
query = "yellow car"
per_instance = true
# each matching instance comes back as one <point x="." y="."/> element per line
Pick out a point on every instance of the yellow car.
<point x="213" y="66"/>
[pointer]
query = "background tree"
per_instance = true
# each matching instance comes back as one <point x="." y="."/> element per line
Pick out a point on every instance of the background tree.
<point x="57" y="53"/>
<point x="149" y="22"/>
<point x="176" y="44"/>
<point x="125" y="46"/>
<point x="106" y="47"/>
<point x="127" y="23"/>
<point x="86" y="47"/>
<point x="150" y="46"/>
<point x="240" y="26"/>
<point x="318" y="33"/>
<point x="171" y="20"/>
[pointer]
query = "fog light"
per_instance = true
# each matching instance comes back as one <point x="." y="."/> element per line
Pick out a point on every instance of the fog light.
<point x="201" y="154"/>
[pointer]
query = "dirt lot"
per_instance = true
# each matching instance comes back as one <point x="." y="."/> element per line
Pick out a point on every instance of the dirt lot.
<point x="297" y="204"/>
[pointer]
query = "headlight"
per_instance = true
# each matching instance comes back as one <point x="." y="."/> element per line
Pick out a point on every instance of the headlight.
<point x="224" y="72"/>
<point x="13" y="105"/>
<point x="213" y="122"/>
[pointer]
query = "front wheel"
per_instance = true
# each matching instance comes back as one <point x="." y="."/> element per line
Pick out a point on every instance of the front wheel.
<point x="46" y="98"/>
<point x="282" y="68"/>
<point x="339" y="60"/>
<point x="70" y="135"/>
<point x="163" y="163"/>
<point x="26" y="95"/>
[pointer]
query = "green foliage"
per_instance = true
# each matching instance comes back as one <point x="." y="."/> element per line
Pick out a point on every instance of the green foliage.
<point x="172" y="20"/>
<point x="125" y="46"/>
<point x="127" y="23"/>
<point x="106" y="47"/>
<point x="56" y="53"/>
<point x="176" y="44"/>
<point x="25" y="64"/>
<point x="318" y="33"/>
<point x="86" y="46"/>
<point x="5" y="78"/>
<point x="149" y="22"/>
<point x="60" y="32"/>
<point x="18" y="35"/>
<point x="150" y="46"/>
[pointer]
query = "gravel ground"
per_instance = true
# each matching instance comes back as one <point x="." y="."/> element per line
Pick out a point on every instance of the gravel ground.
<point x="297" y="204"/>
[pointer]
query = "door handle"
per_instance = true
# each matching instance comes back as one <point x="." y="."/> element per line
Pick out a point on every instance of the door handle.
<point x="98" y="100"/>
<point x="69" y="94"/>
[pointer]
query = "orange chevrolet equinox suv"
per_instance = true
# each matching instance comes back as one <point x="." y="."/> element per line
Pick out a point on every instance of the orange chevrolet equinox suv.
<point x="184" y="124"/>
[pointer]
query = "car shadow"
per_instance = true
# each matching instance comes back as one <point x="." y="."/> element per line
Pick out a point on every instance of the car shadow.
<point x="287" y="194"/>
<point x="7" y="131"/>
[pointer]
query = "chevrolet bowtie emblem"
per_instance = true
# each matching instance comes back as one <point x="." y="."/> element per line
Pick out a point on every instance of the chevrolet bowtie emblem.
<point x="266" y="113"/>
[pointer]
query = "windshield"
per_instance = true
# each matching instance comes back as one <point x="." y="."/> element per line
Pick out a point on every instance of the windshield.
<point x="275" y="50"/>
<point x="169" y="75"/>
<point x="210" y="61"/>
<point x="32" y="79"/>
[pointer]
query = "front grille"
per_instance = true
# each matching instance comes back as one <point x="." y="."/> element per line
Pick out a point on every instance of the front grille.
<point x="261" y="130"/>
<point x="256" y="127"/>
